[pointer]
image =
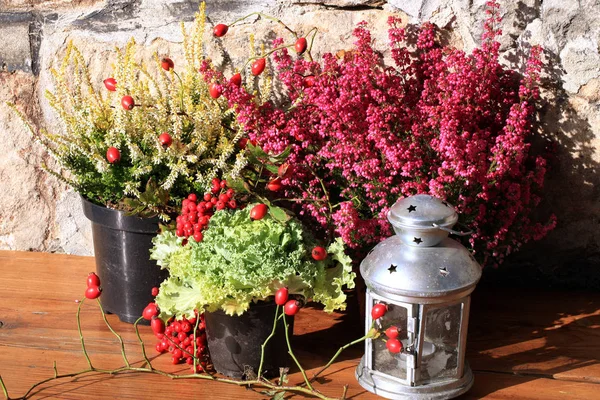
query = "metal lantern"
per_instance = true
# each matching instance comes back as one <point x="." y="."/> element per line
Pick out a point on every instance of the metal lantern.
<point x="425" y="279"/>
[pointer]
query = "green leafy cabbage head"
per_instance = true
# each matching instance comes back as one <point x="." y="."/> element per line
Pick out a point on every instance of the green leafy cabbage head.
<point x="241" y="261"/>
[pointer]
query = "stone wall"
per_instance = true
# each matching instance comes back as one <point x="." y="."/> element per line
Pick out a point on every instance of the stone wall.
<point x="38" y="213"/>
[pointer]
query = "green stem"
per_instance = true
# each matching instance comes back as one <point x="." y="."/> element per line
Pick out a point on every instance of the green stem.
<point x="115" y="333"/>
<point x="280" y="22"/>
<point x="181" y="88"/>
<point x="4" y="389"/>
<point x="81" y="334"/>
<point x="137" y="332"/>
<point x="265" y="55"/>
<point x="195" y="346"/>
<point x="291" y="353"/>
<point x="336" y="355"/>
<point x="262" y="346"/>
<point x="312" y="39"/>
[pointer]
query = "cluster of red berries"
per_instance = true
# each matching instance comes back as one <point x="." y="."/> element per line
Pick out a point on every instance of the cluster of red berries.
<point x="392" y="343"/>
<point x="93" y="290"/>
<point x="195" y="214"/>
<point x="178" y="339"/>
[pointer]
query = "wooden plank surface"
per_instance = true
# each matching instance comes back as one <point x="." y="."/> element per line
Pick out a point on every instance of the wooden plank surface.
<point x="536" y="345"/>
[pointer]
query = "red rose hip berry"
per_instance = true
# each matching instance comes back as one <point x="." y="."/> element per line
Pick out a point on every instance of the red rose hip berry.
<point x="167" y="64"/>
<point x="93" y="292"/>
<point x="215" y="90"/>
<point x="154" y="291"/>
<point x="110" y="84"/>
<point x="165" y="139"/>
<point x="281" y="296"/>
<point x="258" y="66"/>
<point x="378" y="311"/>
<point x="392" y="332"/>
<point x="93" y="280"/>
<point x="157" y="325"/>
<point x="300" y="45"/>
<point x="319" y="253"/>
<point x="258" y="212"/>
<point x="127" y="102"/>
<point x="150" y="311"/>
<point x="291" y="307"/>
<point x="236" y="79"/>
<point x="113" y="155"/>
<point x="220" y="30"/>
<point x="274" y="185"/>
<point x="393" y="345"/>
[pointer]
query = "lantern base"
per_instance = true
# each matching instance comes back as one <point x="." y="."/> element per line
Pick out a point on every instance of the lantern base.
<point x="392" y="389"/>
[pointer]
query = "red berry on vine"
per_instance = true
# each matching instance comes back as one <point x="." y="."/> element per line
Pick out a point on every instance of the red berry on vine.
<point x="181" y="336"/>
<point x="175" y="360"/>
<point x="232" y="204"/>
<point x="159" y="348"/>
<point x="224" y="197"/>
<point x="309" y="81"/>
<point x="157" y="325"/>
<point x="93" y="280"/>
<point x="192" y="197"/>
<point x="223" y="184"/>
<point x="207" y="197"/>
<point x="198" y="236"/>
<point x="236" y="79"/>
<point x="319" y="253"/>
<point x="127" y="102"/>
<point x="392" y="332"/>
<point x="165" y="139"/>
<point x="167" y="64"/>
<point x="93" y="292"/>
<point x="150" y="311"/>
<point x="274" y="185"/>
<point x="215" y="90"/>
<point x="378" y="311"/>
<point x="258" y="211"/>
<point x="281" y="296"/>
<point x="291" y="307"/>
<point x="155" y="291"/>
<point x="113" y="155"/>
<point x="221" y="205"/>
<point x="393" y="345"/>
<point x="220" y="30"/>
<point x="110" y="84"/>
<point x="258" y="66"/>
<point x="300" y="45"/>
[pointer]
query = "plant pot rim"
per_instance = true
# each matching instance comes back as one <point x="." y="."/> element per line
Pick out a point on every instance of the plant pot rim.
<point x="116" y="219"/>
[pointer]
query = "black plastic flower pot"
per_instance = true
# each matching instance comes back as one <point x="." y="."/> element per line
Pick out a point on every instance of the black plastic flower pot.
<point x="234" y="342"/>
<point x="122" y="249"/>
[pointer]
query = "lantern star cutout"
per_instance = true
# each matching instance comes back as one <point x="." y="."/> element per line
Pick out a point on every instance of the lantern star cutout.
<point x="418" y="240"/>
<point x="412" y="208"/>
<point x="392" y="268"/>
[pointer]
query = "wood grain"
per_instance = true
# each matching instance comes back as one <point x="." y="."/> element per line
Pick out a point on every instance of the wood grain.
<point x="521" y="345"/>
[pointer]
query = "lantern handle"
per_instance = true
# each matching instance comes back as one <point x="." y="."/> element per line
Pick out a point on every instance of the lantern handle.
<point x="457" y="233"/>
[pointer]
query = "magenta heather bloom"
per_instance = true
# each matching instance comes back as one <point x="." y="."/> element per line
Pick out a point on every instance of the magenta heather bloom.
<point x="439" y="121"/>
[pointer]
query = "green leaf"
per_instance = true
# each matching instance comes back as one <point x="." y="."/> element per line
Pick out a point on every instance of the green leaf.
<point x="281" y="157"/>
<point x="278" y="396"/>
<point x="239" y="185"/>
<point x="279" y="214"/>
<point x="272" y="168"/>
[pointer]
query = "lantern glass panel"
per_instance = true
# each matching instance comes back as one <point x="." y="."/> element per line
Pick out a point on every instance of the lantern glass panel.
<point x="441" y="343"/>
<point x="384" y="361"/>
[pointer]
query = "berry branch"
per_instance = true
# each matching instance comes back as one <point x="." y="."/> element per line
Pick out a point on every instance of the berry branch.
<point x="291" y="307"/>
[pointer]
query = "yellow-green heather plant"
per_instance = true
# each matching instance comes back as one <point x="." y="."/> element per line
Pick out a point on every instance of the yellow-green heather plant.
<point x="150" y="177"/>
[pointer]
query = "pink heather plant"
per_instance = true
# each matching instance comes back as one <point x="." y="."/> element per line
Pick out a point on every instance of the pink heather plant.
<point x="439" y="121"/>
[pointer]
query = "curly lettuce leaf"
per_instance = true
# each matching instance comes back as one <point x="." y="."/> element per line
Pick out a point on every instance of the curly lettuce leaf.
<point x="328" y="287"/>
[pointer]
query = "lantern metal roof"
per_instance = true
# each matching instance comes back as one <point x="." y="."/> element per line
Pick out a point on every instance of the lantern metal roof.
<point x="420" y="261"/>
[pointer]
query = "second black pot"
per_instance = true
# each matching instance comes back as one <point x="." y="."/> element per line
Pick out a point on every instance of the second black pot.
<point x="234" y="342"/>
<point x="122" y="250"/>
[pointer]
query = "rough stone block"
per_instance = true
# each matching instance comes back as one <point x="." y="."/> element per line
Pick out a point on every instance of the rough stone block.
<point x="15" y="45"/>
